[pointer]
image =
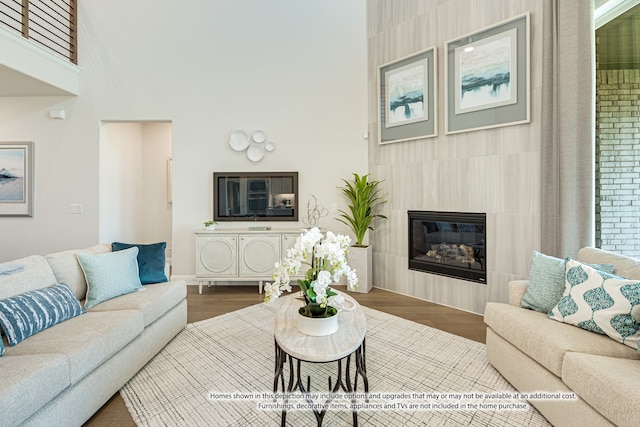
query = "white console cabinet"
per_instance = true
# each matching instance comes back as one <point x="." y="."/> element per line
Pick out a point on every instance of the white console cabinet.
<point x="230" y="254"/>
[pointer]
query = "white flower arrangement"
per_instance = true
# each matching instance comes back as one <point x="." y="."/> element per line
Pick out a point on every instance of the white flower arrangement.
<point x="326" y="257"/>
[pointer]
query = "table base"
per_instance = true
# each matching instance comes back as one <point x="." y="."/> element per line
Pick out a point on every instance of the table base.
<point x="295" y="382"/>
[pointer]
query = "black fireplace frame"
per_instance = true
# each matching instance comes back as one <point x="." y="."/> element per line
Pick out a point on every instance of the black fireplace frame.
<point x="479" y="276"/>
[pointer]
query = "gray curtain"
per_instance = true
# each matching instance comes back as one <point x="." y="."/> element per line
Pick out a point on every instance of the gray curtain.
<point x="568" y="128"/>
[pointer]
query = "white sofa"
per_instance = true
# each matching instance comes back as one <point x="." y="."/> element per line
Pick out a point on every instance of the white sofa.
<point x="535" y="353"/>
<point x="64" y="374"/>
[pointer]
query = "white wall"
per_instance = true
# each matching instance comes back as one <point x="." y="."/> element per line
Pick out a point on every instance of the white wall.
<point x="121" y="168"/>
<point x="133" y="176"/>
<point x="295" y="69"/>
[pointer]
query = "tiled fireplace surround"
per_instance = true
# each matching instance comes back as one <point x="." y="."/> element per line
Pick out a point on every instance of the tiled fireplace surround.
<point x="496" y="171"/>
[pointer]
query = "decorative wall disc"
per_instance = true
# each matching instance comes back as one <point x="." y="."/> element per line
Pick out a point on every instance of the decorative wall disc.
<point x="239" y="140"/>
<point x="255" y="153"/>
<point x="259" y="136"/>
<point x="255" y="146"/>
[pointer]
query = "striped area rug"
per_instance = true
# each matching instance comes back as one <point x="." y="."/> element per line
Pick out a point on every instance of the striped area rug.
<point x="219" y="372"/>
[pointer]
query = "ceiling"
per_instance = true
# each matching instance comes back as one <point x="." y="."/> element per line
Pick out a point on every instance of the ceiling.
<point x="15" y="83"/>
<point x="618" y="23"/>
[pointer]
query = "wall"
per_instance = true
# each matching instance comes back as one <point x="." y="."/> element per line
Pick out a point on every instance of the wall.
<point x="496" y="171"/>
<point x="133" y="170"/>
<point x="618" y="171"/>
<point x="295" y="69"/>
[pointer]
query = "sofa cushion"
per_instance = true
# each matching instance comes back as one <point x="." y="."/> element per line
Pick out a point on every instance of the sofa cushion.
<point x="27" y="314"/>
<point x="600" y="303"/>
<point x="154" y="302"/>
<point x="625" y="266"/>
<point x="86" y="341"/>
<point x="546" y="281"/>
<point x="547" y="342"/>
<point x="151" y="260"/>
<point x="67" y="269"/>
<point x="110" y="275"/>
<point x="608" y="384"/>
<point x="30" y="382"/>
<point x="36" y="274"/>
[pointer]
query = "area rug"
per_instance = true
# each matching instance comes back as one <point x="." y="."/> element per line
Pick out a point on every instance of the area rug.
<point x="219" y="372"/>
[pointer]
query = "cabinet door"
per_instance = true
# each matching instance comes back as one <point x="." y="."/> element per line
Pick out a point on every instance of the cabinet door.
<point x="217" y="256"/>
<point x="258" y="255"/>
<point x="288" y="240"/>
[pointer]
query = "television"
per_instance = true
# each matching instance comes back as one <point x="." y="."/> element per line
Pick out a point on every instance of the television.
<point x="255" y="196"/>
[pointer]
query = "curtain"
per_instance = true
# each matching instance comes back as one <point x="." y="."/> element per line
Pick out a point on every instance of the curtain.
<point x="568" y="128"/>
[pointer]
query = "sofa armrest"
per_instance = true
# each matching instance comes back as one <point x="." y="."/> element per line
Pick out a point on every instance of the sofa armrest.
<point x="517" y="289"/>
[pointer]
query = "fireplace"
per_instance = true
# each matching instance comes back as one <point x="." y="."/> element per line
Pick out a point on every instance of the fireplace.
<point x="449" y="244"/>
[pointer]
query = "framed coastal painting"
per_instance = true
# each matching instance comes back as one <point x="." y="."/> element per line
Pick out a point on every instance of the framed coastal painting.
<point x="16" y="178"/>
<point x="406" y="98"/>
<point x="487" y="77"/>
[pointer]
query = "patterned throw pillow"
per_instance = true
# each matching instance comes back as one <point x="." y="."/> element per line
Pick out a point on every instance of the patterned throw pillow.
<point x="546" y="282"/>
<point x="27" y="314"/>
<point x="600" y="302"/>
<point x="110" y="275"/>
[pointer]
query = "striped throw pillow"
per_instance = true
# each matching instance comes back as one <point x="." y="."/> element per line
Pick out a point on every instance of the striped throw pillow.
<point x="24" y="315"/>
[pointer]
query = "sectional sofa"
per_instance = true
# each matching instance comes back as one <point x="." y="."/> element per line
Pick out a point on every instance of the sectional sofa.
<point x="63" y="374"/>
<point x="536" y="353"/>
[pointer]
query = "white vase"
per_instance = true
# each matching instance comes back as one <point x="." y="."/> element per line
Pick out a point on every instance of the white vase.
<point x="211" y="227"/>
<point x="360" y="259"/>
<point x="317" y="326"/>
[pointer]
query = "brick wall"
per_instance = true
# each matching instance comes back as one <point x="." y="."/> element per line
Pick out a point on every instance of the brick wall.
<point x="618" y="161"/>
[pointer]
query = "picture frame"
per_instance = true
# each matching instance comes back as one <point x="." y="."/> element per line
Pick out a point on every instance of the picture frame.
<point x="407" y="93"/>
<point x="487" y="77"/>
<point x="16" y="179"/>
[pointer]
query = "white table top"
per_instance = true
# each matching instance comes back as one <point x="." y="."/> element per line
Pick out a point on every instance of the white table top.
<point x="350" y="335"/>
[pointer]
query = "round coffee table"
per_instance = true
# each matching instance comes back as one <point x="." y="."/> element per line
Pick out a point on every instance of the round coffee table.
<point x="293" y="346"/>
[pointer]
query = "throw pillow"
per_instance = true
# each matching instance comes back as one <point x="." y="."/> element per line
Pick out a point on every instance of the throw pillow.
<point x="546" y="282"/>
<point x="151" y="260"/>
<point x="600" y="302"/>
<point x="109" y="275"/>
<point x="1" y="347"/>
<point x="27" y="314"/>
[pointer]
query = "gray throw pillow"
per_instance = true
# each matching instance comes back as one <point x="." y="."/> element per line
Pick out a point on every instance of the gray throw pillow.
<point x="546" y="282"/>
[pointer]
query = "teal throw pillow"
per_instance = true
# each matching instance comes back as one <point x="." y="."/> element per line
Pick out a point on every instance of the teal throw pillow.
<point x="1" y="347"/>
<point x="151" y="260"/>
<point x="600" y="302"/>
<point x="546" y="282"/>
<point x="109" y="275"/>
<point x="24" y="315"/>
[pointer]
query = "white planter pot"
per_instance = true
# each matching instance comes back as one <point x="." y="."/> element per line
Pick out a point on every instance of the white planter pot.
<point x="317" y="326"/>
<point x="360" y="259"/>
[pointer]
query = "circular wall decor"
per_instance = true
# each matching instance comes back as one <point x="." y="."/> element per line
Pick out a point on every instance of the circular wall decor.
<point x="255" y="153"/>
<point x="258" y="136"/>
<point x="239" y="140"/>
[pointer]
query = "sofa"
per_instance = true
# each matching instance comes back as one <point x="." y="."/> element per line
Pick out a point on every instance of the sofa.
<point x="590" y="379"/>
<point x="63" y="374"/>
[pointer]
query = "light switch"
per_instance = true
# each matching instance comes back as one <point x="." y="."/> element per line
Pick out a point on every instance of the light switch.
<point x="76" y="208"/>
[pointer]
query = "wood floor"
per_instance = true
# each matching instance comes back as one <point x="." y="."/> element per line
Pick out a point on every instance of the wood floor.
<point x="218" y="300"/>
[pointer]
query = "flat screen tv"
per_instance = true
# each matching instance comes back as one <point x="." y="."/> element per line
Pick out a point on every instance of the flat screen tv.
<point x="255" y="196"/>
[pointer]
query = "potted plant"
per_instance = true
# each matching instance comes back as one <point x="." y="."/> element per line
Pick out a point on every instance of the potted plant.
<point x="210" y="225"/>
<point x="364" y="198"/>
<point x="326" y="257"/>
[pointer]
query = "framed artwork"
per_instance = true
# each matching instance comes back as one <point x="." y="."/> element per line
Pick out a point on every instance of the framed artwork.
<point x="16" y="178"/>
<point x="406" y="96"/>
<point x="487" y="77"/>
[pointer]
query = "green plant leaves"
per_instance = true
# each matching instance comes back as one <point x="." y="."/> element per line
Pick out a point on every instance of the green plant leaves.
<point x="364" y="196"/>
